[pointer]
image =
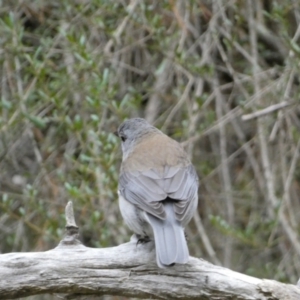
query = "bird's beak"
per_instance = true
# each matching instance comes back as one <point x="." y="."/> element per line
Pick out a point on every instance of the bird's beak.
<point x="116" y="133"/>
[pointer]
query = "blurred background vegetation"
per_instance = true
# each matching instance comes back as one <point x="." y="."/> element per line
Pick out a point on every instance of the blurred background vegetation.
<point x="72" y="70"/>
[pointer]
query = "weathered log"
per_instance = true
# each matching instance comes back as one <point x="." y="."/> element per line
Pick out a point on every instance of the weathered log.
<point x="128" y="270"/>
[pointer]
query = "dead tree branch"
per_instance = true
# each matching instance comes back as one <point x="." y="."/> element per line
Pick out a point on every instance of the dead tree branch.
<point x="126" y="270"/>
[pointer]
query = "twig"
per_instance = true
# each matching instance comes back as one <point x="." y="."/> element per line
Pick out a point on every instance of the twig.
<point x="205" y="240"/>
<point x="224" y="174"/>
<point x="266" y="110"/>
<point x="224" y="171"/>
<point x="162" y="83"/>
<point x="118" y="32"/>
<point x="271" y="199"/>
<point x="179" y="103"/>
<point x="285" y="96"/>
<point x="285" y="198"/>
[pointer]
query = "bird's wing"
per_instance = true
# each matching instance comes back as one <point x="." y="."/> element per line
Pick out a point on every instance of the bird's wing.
<point x="146" y="189"/>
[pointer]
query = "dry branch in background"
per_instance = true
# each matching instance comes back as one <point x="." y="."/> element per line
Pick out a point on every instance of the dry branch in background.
<point x="128" y="270"/>
<point x="265" y="111"/>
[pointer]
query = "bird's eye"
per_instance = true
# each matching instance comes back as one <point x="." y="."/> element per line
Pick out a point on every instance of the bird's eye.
<point x="123" y="138"/>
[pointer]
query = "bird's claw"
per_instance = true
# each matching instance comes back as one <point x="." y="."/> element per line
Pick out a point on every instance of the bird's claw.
<point x="142" y="239"/>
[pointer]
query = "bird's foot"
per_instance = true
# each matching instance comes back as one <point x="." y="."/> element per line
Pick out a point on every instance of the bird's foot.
<point x="142" y="239"/>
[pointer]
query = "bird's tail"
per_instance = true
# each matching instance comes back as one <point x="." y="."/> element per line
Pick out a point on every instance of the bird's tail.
<point x="170" y="242"/>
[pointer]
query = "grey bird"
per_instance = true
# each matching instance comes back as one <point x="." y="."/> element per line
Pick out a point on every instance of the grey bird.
<point x="158" y="189"/>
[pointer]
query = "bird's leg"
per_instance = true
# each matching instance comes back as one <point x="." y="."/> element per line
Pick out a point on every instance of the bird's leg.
<point x="186" y="236"/>
<point x="142" y="239"/>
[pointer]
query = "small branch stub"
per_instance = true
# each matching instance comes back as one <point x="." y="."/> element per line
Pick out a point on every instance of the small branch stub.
<point x="70" y="215"/>
<point x="72" y="233"/>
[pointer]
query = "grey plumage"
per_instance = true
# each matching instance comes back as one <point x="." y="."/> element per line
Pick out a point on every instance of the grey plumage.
<point x="169" y="238"/>
<point x="158" y="187"/>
